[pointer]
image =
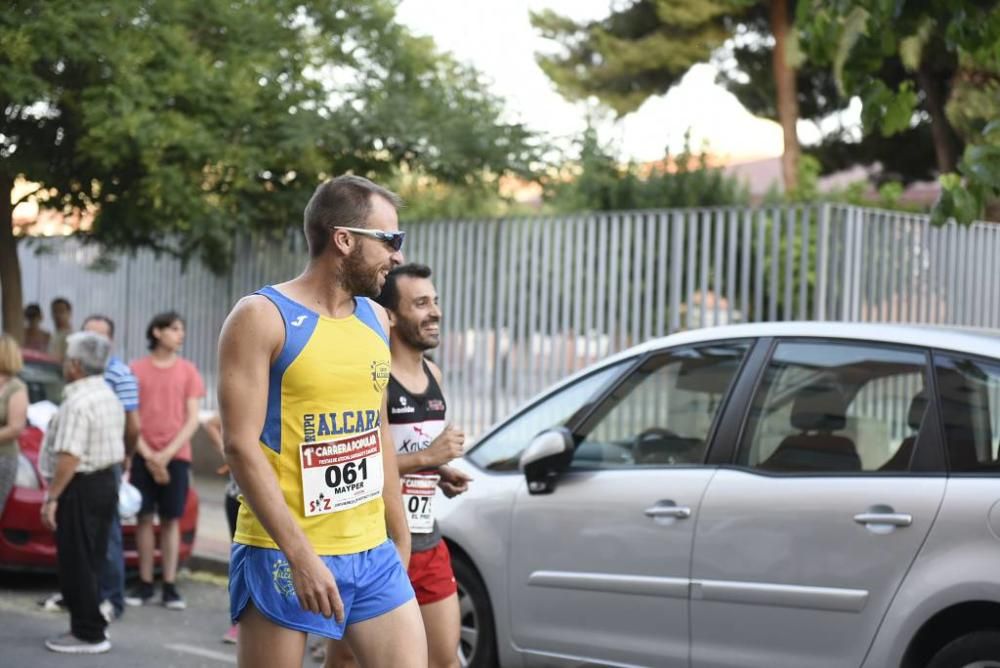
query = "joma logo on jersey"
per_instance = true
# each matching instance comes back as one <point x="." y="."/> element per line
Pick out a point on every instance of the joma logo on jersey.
<point x="298" y="321"/>
<point x="380" y="375"/>
<point x="320" y="425"/>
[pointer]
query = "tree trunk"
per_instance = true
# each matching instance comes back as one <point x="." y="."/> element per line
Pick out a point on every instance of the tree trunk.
<point x="945" y="140"/>
<point x="10" y="267"/>
<point x="787" y="93"/>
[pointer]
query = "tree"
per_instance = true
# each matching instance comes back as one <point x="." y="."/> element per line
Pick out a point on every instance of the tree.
<point x="646" y="46"/>
<point x="745" y="70"/>
<point x="597" y="182"/>
<point x="181" y="124"/>
<point x="905" y="61"/>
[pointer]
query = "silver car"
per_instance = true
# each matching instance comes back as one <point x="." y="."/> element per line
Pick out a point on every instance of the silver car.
<point x="800" y="495"/>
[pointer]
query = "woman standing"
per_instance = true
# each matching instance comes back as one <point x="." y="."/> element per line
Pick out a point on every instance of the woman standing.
<point x="13" y="413"/>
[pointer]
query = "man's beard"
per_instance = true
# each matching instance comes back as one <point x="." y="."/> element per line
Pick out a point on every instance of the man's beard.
<point x="358" y="278"/>
<point x="409" y="332"/>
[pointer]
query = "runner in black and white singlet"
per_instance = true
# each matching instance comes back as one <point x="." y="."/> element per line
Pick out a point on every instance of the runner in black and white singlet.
<point x="425" y="443"/>
<point x="415" y="420"/>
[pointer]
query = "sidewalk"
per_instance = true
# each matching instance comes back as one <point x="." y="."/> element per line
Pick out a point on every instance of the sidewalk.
<point x="211" y="543"/>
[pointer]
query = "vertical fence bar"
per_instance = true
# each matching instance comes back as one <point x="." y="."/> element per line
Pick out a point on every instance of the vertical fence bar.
<point x="822" y="260"/>
<point x="663" y="234"/>
<point x="731" y="242"/>
<point x="789" y="229"/>
<point x="622" y="341"/>
<point x="636" y="288"/>
<point x="649" y="282"/>
<point x="758" y="302"/>
<point x="718" y="288"/>
<point x="677" y="255"/>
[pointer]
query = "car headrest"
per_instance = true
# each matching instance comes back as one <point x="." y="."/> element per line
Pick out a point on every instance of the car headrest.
<point x="820" y="408"/>
<point x="917" y="408"/>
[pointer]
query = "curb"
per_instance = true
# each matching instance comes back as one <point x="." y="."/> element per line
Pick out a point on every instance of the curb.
<point x="209" y="563"/>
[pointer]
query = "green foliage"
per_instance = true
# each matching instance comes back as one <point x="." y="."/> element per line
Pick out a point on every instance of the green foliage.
<point x="429" y="198"/>
<point x="641" y="49"/>
<point x="597" y="182"/>
<point x="807" y="189"/>
<point x="185" y="123"/>
<point x="966" y="194"/>
<point x="906" y="63"/>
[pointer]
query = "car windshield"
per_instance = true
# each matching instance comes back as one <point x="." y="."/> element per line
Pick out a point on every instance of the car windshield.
<point x="44" y="381"/>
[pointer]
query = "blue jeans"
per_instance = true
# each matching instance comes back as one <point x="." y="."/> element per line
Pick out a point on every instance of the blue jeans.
<point x="112" y="581"/>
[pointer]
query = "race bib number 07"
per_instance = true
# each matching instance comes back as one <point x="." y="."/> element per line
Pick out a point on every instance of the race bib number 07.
<point x="418" y="499"/>
<point x="341" y="474"/>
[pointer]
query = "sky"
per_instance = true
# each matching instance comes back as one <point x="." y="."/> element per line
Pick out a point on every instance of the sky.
<point x="497" y="38"/>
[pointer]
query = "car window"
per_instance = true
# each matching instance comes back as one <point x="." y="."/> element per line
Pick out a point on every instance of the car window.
<point x="663" y="413"/>
<point x="836" y="408"/>
<point x="501" y="450"/>
<point x="970" y="408"/>
<point x="44" y="381"/>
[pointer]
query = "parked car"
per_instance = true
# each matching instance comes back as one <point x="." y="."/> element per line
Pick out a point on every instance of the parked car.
<point x="24" y="542"/>
<point x="785" y="494"/>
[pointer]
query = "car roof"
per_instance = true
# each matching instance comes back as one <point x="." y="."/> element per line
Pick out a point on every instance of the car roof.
<point x="970" y="340"/>
<point x="957" y="339"/>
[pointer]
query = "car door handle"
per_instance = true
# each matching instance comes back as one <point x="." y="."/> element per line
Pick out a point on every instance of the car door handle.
<point x="668" y="509"/>
<point x="892" y="519"/>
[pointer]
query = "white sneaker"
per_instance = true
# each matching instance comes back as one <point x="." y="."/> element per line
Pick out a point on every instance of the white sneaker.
<point x="107" y="611"/>
<point x="54" y="603"/>
<point x="68" y="643"/>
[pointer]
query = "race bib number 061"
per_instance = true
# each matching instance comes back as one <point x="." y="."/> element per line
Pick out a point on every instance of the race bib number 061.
<point x="341" y="474"/>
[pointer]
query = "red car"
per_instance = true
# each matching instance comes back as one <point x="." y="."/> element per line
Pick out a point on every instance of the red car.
<point x="24" y="543"/>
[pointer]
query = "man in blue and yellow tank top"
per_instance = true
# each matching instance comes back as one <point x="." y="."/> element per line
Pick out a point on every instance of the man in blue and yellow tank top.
<point x="303" y="368"/>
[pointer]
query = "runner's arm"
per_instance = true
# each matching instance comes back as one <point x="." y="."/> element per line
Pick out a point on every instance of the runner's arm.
<point x="392" y="493"/>
<point x="250" y="337"/>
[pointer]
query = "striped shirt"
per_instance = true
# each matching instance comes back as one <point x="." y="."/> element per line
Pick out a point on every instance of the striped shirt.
<point x="123" y="382"/>
<point x="89" y="426"/>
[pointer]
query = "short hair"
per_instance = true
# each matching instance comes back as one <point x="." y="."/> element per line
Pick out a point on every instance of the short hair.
<point x="11" y="361"/>
<point x="160" y="321"/>
<point x="389" y="298"/>
<point x="101" y="318"/>
<point x="33" y="310"/>
<point x="61" y="300"/>
<point x="345" y="201"/>
<point x="90" y="349"/>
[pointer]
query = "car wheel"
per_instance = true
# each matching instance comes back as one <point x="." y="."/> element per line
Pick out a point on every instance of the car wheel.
<point x="974" y="650"/>
<point x="477" y="648"/>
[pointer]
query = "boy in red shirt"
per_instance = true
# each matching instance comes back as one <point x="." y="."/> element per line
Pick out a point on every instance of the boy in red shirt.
<point x="171" y="389"/>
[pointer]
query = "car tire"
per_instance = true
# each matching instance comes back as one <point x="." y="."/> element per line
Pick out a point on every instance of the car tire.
<point x="974" y="650"/>
<point x="478" y="647"/>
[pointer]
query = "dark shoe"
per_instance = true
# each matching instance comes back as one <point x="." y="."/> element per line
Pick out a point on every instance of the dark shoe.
<point x="141" y="594"/>
<point x="171" y="597"/>
<point x="70" y="644"/>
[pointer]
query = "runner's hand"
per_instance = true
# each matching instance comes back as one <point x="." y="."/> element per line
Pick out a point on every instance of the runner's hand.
<point x="446" y="447"/>
<point x="453" y="482"/>
<point x="316" y="589"/>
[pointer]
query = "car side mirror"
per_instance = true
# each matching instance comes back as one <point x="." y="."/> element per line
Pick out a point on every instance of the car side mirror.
<point x="545" y="458"/>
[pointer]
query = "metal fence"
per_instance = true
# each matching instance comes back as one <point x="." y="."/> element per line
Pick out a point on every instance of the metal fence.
<point x="528" y="301"/>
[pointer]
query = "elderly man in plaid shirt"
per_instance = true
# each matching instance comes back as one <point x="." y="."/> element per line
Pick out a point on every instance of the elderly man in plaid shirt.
<point x="82" y="446"/>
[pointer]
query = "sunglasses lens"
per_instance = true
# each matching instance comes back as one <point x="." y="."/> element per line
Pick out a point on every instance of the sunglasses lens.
<point x="397" y="241"/>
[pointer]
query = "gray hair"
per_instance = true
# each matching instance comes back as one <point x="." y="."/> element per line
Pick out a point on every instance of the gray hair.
<point x="91" y="350"/>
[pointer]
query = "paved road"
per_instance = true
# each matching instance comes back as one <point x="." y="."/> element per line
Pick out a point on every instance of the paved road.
<point x="150" y="635"/>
